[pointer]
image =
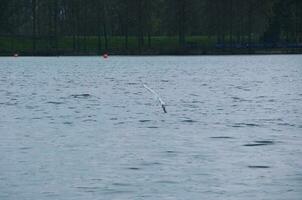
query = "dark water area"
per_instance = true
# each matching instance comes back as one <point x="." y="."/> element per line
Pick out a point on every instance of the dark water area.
<point x="86" y="128"/>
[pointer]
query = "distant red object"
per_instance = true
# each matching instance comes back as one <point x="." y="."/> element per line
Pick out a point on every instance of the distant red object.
<point x="105" y="55"/>
<point x="16" y="55"/>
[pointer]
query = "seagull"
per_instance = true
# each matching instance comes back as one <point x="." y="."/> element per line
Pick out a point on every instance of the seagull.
<point x="162" y="103"/>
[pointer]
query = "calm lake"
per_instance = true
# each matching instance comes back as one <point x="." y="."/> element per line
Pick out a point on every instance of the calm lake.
<point x="85" y="128"/>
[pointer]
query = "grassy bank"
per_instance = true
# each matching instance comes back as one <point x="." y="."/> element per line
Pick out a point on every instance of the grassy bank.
<point x="157" y="45"/>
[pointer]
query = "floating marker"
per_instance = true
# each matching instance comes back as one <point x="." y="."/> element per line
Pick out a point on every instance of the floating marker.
<point x="105" y="55"/>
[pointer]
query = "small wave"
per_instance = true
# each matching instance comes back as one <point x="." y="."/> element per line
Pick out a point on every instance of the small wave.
<point x="109" y="78"/>
<point x="285" y="124"/>
<point x="97" y="179"/>
<point x="11" y="104"/>
<point x="264" y="142"/>
<point x="132" y="83"/>
<point x="88" y="189"/>
<point x="253" y="145"/>
<point x="171" y="152"/>
<point x="195" y="101"/>
<point x="89" y="120"/>
<point x="242" y="88"/>
<point x="121" y="184"/>
<point x="36" y="118"/>
<point x="150" y="163"/>
<point x="50" y="194"/>
<point x="67" y="123"/>
<point x="237" y="125"/>
<point x="25" y="148"/>
<point x="260" y="143"/>
<point x="134" y="168"/>
<point x="119" y="106"/>
<point x="191" y="106"/>
<point x="166" y="182"/>
<point x="271" y="119"/>
<point x="78" y="96"/>
<point x="109" y="191"/>
<point x="137" y="93"/>
<point x="258" y="167"/>
<point x="119" y="123"/>
<point x="55" y="102"/>
<point x="222" y="137"/>
<point x="144" y="120"/>
<point x="189" y="121"/>
<point x="261" y="97"/>
<point x="238" y="99"/>
<point x="152" y="127"/>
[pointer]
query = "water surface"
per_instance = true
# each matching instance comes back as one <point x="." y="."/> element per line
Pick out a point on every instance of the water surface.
<point x="85" y="128"/>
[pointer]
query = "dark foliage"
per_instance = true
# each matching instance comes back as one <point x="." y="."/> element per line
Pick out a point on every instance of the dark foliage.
<point x="140" y="26"/>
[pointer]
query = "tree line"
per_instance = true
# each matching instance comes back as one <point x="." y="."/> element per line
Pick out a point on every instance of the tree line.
<point x="142" y="25"/>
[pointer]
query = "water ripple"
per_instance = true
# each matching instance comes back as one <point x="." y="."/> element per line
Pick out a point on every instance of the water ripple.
<point x="258" y="167"/>
<point x="260" y="143"/>
<point x="79" y="96"/>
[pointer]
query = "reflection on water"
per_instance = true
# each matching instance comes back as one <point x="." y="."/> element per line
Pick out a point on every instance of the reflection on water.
<point x="86" y="128"/>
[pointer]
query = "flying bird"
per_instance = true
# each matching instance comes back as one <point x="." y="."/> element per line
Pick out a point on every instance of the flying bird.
<point x="162" y="103"/>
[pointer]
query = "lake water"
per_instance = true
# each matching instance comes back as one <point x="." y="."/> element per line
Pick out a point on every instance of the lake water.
<point x="85" y="128"/>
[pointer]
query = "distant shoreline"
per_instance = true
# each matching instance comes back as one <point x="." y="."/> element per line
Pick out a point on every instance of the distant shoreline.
<point x="259" y="52"/>
<point x="195" y="45"/>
